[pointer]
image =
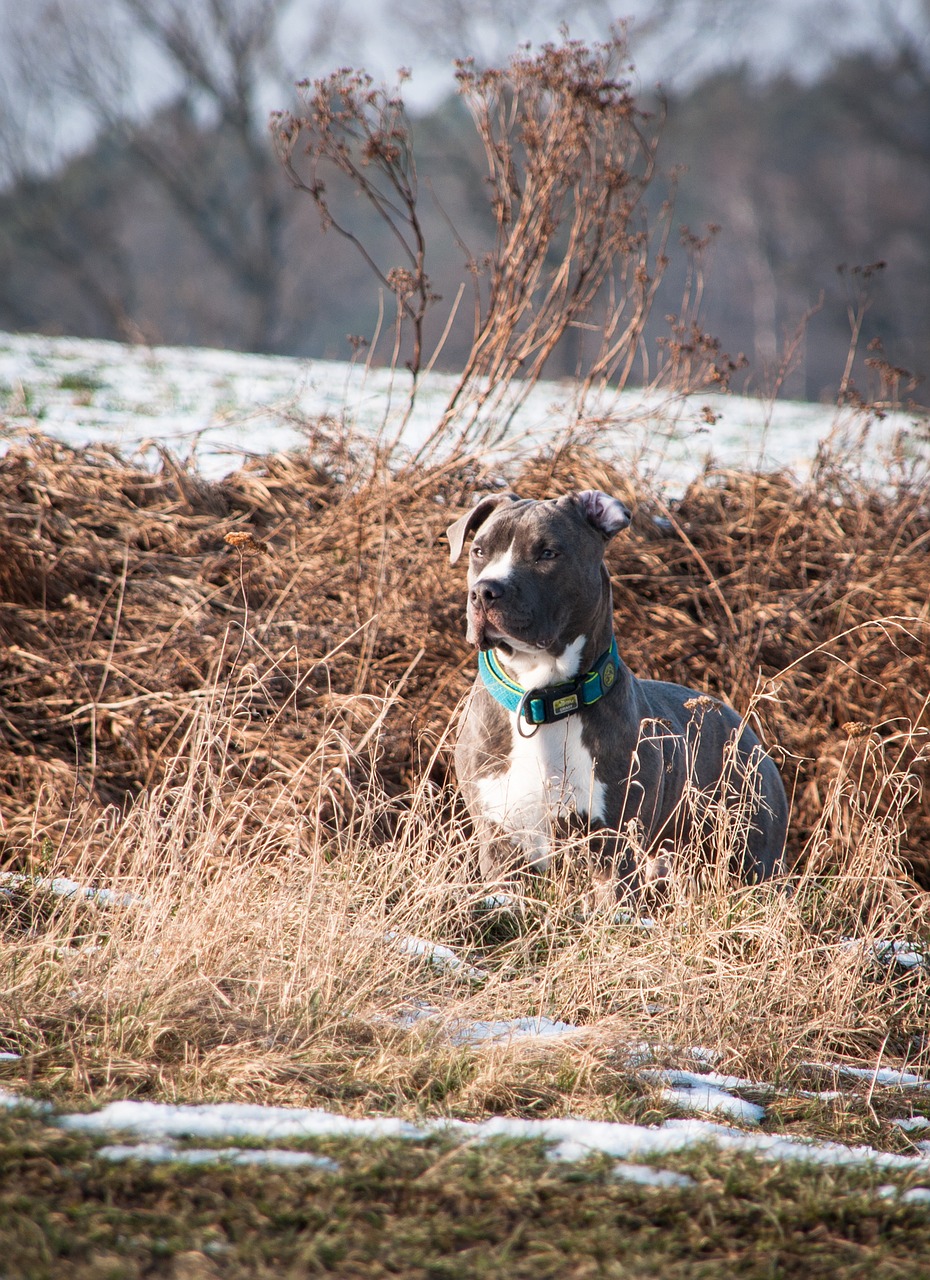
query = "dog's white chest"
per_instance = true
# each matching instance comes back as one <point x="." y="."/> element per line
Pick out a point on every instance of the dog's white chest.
<point x="549" y="776"/>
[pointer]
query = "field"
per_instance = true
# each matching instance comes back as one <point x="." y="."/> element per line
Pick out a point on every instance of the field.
<point x="237" y="873"/>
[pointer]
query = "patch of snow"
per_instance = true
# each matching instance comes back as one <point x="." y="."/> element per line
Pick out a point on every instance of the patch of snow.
<point x="10" y="1100"/>
<point x="626" y="1140"/>
<point x="916" y="1195"/>
<point x="571" y="1138"/>
<point x="700" y="1054"/>
<point x="234" y="1120"/>
<point x="440" y="957"/>
<point x="609" y="1137"/>
<point x="417" y="1011"/>
<point x="638" y="1055"/>
<point x="909" y="955"/>
<point x="912" y="1123"/>
<point x="715" y="1100"/>
<point x="905" y="954"/>
<point x="703" y="1079"/>
<point x="888" y="1077"/>
<point x="647" y="1177"/>
<point x="694" y="1091"/>
<point x="62" y="887"/>
<point x="623" y="916"/>
<point x="503" y="1032"/>
<point x="496" y="1031"/>
<point x="222" y="406"/>
<point x="499" y="902"/>
<point x="167" y="1153"/>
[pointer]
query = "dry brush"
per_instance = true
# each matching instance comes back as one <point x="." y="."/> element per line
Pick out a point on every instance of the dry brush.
<point x="232" y="701"/>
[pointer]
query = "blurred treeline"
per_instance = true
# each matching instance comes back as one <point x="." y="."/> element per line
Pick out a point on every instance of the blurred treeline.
<point x="182" y="228"/>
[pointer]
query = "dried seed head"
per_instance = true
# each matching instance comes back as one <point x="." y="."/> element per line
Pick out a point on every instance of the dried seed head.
<point x="245" y="542"/>
<point x="701" y="703"/>
<point x="855" y="729"/>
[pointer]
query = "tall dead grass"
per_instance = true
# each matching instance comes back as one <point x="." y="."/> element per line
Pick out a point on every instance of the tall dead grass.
<point x="255" y="951"/>
<point x="249" y="738"/>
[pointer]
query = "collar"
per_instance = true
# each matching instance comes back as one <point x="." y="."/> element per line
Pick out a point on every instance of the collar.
<point x="555" y="701"/>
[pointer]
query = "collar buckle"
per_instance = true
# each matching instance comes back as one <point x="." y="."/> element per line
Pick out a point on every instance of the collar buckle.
<point x="552" y="702"/>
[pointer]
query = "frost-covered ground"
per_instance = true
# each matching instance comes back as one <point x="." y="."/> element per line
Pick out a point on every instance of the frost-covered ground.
<point x="227" y="405"/>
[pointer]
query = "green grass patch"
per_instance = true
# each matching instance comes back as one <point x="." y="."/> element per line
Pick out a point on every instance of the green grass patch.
<point x="432" y="1209"/>
<point x="80" y="382"/>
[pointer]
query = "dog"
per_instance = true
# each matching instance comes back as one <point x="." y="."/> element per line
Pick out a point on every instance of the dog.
<point x="557" y="734"/>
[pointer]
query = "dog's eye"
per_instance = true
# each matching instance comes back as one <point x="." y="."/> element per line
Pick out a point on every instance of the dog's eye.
<point x="548" y="553"/>
<point x="478" y="552"/>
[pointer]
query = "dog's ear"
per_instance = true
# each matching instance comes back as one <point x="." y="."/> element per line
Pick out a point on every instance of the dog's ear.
<point x="474" y="519"/>
<point x="608" y="515"/>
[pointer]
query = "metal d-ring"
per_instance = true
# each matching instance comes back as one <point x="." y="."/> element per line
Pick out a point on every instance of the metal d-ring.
<point x="524" y="703"/>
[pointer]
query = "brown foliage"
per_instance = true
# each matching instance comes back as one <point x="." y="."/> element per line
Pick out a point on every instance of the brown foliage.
<point x="569" y="158"/>
<point x="300" y="591"/>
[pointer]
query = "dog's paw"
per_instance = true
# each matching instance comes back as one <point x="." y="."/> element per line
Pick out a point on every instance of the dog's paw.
<point x="505" y="903"/>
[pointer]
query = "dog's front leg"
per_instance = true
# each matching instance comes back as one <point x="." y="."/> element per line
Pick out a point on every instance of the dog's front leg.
<point x="501" y="860"/>
<point x="613" y="868"/>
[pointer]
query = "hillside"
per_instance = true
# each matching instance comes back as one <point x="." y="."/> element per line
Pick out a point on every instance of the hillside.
<point x="235" y="870"/>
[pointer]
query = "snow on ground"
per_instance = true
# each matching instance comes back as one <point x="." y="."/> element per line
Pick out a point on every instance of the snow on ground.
<point x="224" y="1120"/>
<point x="890" y="951"/>
<point x="229" y="405"/>
<point x="62" y="887"/>
<point x="492" y="1032"/>
<point x="708" y="1092"/>
<point x="916" y="1195"/>
<point x="876" y="1075"/>
<point x="647" y="1177"/>
<point x="705" y="1092"/>
<point x="570" y="1139"/>
<point x="440" y="957"/>
<point x="168" y="1153"/>
<point x="159" y="1126"/>
<point x="910" y="1123"/>
<point x="504" y="1031"/>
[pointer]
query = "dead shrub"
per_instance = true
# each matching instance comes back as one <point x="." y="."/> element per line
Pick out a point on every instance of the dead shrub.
<point x="127" y="606"/>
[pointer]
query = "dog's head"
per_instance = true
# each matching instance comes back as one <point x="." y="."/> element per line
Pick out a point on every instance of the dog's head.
<point x="536" y="574"/>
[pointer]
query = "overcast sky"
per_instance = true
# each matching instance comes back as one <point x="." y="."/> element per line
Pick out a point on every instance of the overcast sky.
<point x="802" y="36"/>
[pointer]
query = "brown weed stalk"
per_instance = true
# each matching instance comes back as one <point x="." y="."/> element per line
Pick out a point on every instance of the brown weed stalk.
<point x="569" y="156"/>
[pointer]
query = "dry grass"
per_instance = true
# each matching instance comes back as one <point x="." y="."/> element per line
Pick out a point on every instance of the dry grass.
<point x="248" y="734"/>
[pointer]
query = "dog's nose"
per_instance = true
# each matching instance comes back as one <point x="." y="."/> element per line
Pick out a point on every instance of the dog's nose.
<point x="486" y="591"/>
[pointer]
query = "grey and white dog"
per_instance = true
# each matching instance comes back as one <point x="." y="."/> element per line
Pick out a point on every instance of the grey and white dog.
<point x="559" y="736"/>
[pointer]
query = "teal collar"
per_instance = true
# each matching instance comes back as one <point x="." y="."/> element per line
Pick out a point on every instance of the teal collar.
<point x="554" y="701"/>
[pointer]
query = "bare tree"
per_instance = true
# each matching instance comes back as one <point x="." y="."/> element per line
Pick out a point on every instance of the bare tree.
<point x="204" y="69"/>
